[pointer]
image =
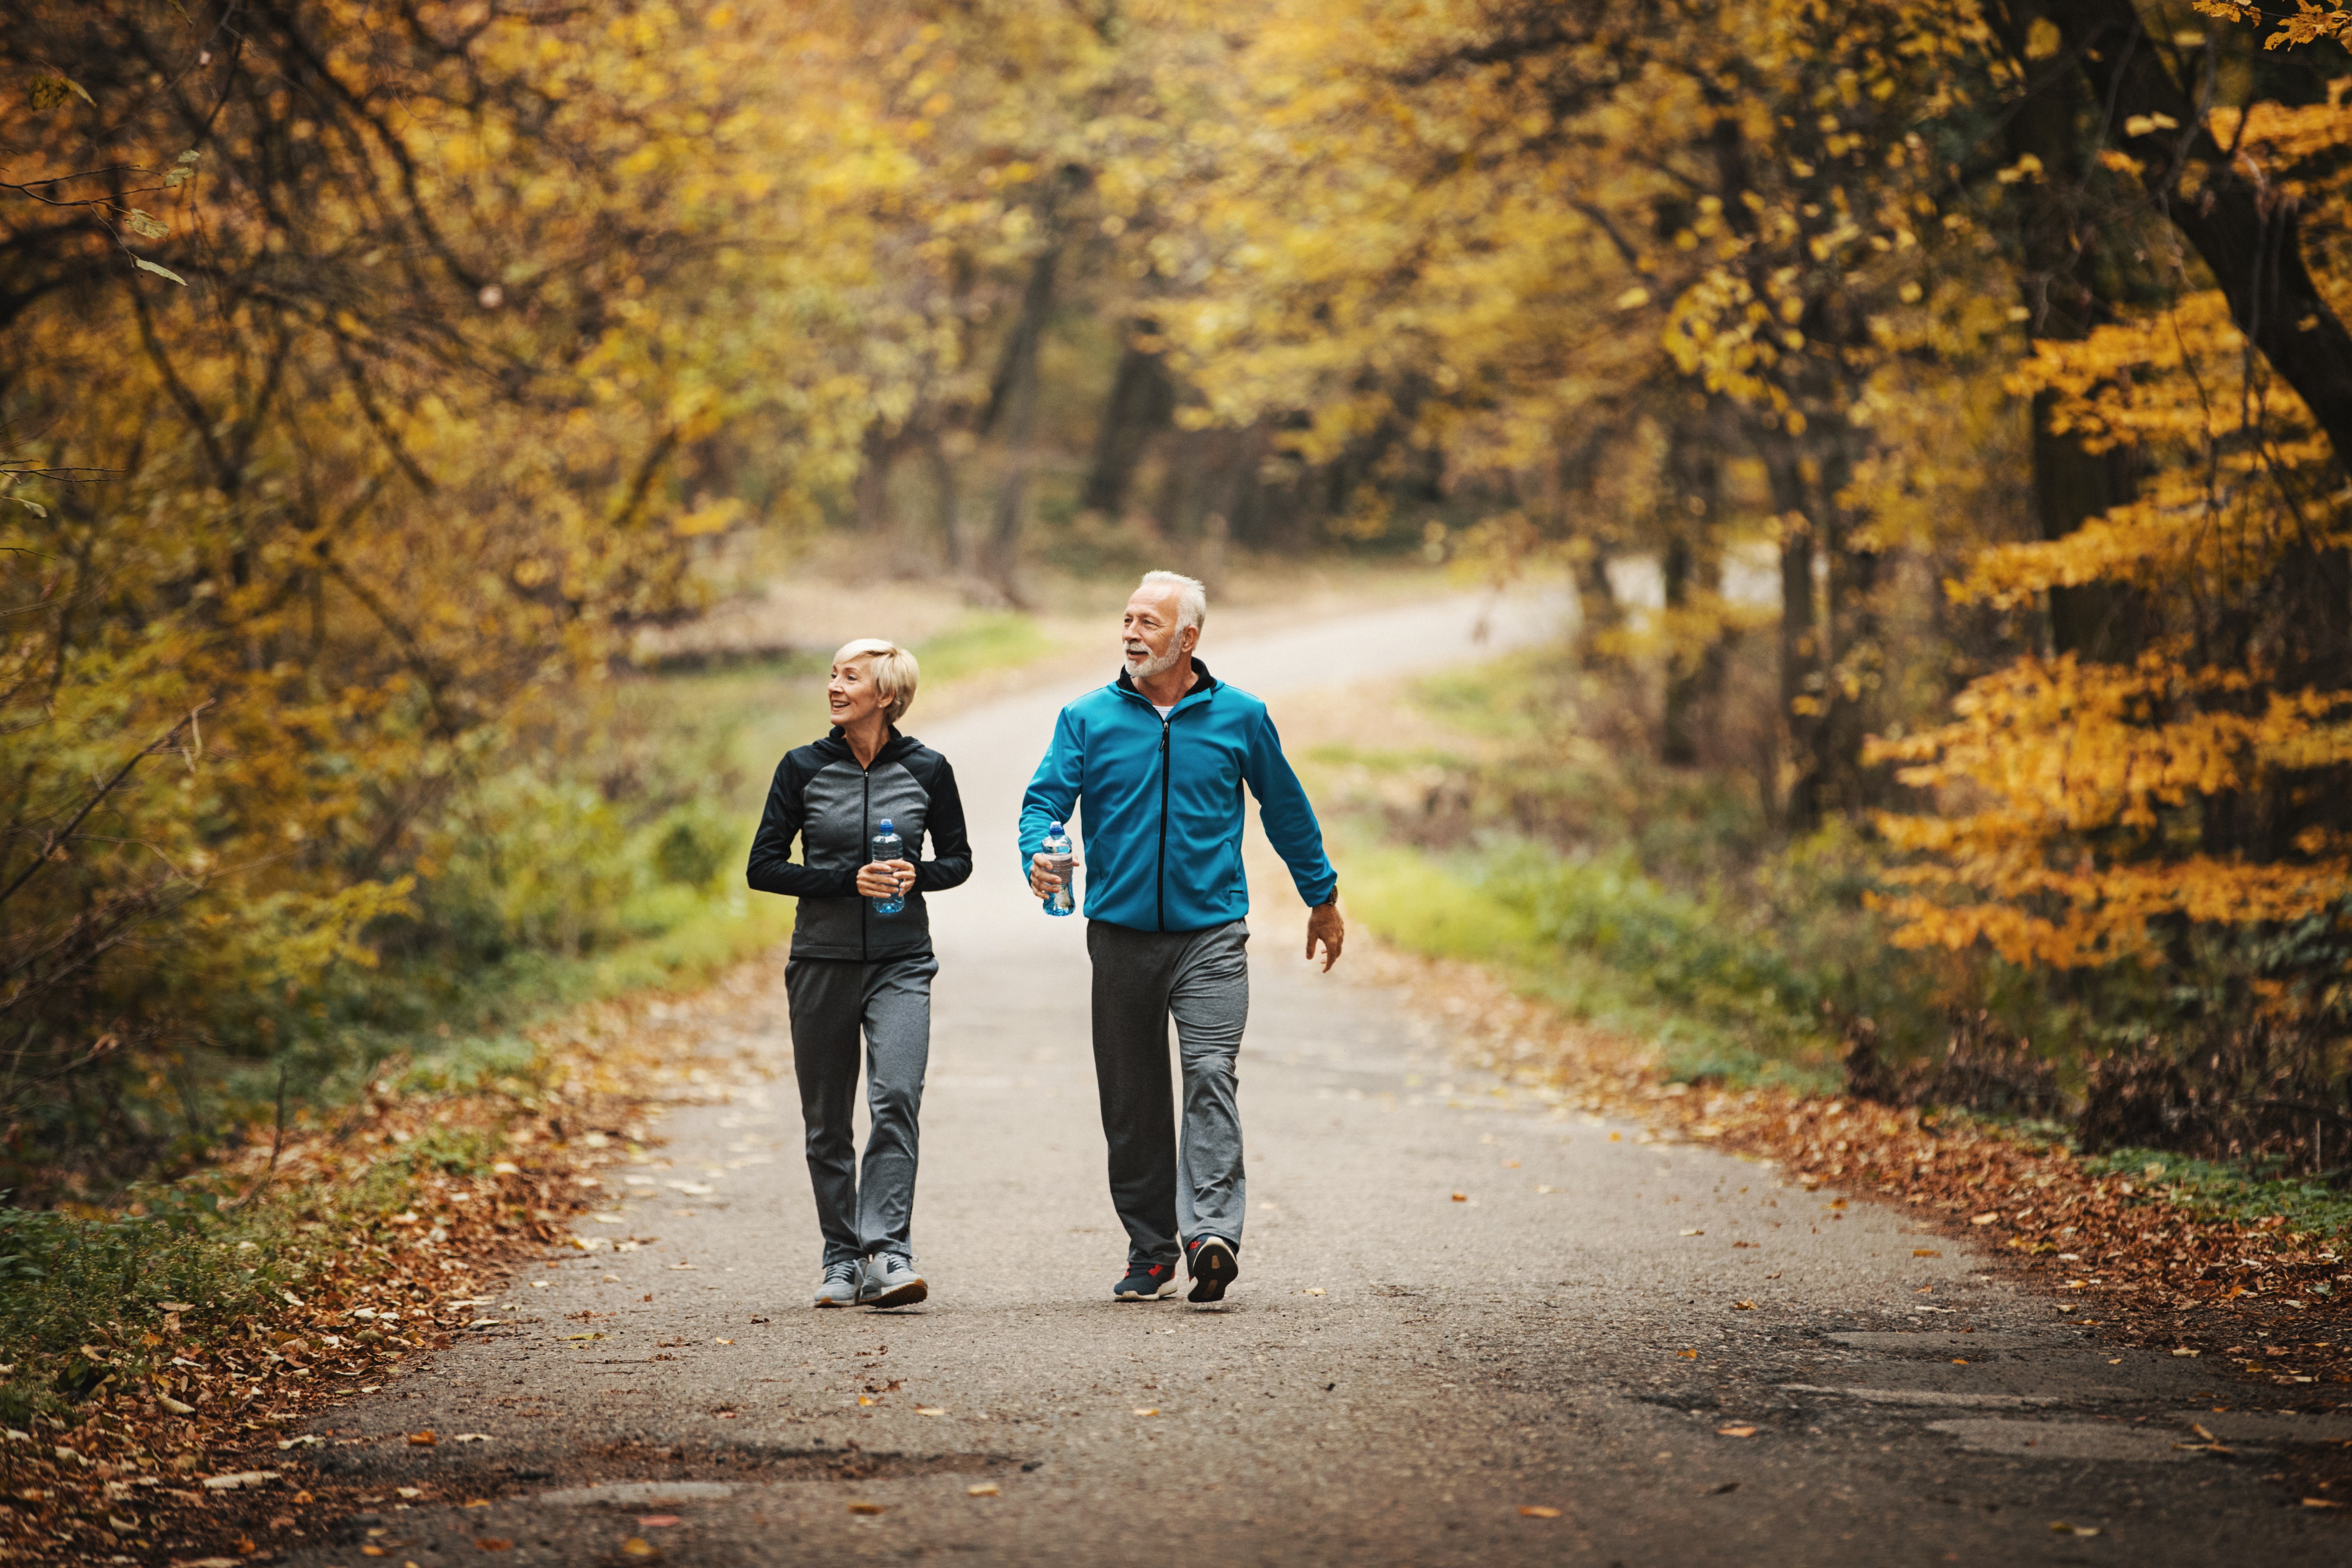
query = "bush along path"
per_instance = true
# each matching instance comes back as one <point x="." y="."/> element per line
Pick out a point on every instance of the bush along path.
<point x="160" y="1364"/>
<point x="2144" y="1247"/>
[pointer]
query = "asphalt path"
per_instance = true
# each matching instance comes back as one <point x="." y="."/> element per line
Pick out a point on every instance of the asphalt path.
<point x="1471" y="1327"/>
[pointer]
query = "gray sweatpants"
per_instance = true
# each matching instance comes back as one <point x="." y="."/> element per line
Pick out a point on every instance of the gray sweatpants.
<point x="891" y="1002"/>
<point x="1166" y="1195"/>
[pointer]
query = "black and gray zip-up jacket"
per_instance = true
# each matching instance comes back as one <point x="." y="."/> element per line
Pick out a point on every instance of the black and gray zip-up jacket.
<point x="834" y="808"/>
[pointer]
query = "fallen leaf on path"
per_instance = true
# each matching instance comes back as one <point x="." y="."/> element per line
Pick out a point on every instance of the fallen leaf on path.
<point x="638" y="1546"/>
<point x="1687" y="1355"/>
<point x="1462" y="1197"/>
<point x="2321" y="1502"/>
<point x="1693" y="1233"/>
<point x="722" y="1342"/>
<point x="1983" y="1218"/>
<point x="610" y="1219"/>
<point x="493" y="1543"/>
<point x="929" y="1410"/>
<point x="478" y="1503"/>
<point x="985" y="1489"/>
<point x="474" y="1437"/>
<point x="411" y="1493"/>
<point x="868" y="1506"/>
<point x="596" y="1336"/>
<point x="1537" y="1510"/>
<point x="691" y="1189"/>
<point x="1153" y="1411"/>
<point x="239" y="1480"/>
<point x="1743" y="1306"/>
<point x="1551" y="1189"/>
<point x="1925" y="1252"/>
<point x="2060" y="1527"/>
<point x="863" y="1400"/>
<point x="659" y="1521"/>
<point x="173" y="1405"/>
<point x="1735" y="1431"/>
<point x="2184" y="1349"/>
<point x="1616" y="1137"/>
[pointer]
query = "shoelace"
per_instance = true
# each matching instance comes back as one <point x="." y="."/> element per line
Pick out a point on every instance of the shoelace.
<point x="841" y="1271"/>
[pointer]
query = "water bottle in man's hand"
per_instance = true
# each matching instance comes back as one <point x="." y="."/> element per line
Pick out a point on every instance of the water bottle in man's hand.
<point x="888" y="847"/>
<point x="1059" y="861"/>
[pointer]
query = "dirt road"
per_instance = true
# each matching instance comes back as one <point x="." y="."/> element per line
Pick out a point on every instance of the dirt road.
<point x="1469" y="1329"/>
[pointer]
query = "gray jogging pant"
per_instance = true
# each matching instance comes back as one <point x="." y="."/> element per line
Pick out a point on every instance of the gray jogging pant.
<point x="1165" y="1195"/>
<point x="831" y="1003"/>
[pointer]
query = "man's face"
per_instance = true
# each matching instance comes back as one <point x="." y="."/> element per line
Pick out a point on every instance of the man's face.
<point x="1150" y="636"/>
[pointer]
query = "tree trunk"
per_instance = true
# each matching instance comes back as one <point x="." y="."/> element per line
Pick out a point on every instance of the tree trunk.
<point x="1801" y="686"/>
<point x="1693" y="561"/>
<point x="1012" y="412"/>
<point x="2059" y="250"/>
<point x="1142" y="401"/>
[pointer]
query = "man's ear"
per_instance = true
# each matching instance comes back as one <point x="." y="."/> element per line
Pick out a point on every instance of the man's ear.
<point x="1188" y="638"/>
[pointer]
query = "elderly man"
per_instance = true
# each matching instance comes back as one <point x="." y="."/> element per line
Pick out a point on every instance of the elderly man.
<point x="1159" y="759"/>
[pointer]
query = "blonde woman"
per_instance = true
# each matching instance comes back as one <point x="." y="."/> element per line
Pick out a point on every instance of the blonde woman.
<point x="855" y="970"/>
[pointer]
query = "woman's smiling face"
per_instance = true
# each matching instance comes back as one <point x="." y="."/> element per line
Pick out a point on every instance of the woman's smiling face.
<point x="851" y="694"/>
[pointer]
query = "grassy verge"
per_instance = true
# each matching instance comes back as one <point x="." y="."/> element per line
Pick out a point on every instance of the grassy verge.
<point x="1654" y="913"/>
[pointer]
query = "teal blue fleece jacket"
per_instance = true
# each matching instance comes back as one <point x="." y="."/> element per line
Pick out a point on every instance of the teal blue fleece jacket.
<point x="1162" y="805"/>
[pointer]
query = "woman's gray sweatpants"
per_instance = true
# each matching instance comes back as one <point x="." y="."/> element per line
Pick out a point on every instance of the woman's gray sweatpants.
<point x="1166" y="1197"/>
<point x="831" y="1003"/>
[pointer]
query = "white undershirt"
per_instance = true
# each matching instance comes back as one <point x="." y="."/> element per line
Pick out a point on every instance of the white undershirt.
<point x="1164" y="712"/>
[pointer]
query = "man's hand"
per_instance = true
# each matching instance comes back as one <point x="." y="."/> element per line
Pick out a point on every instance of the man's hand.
<point x="1047" y="873"/>
<point x="885" y="880"/>
<point x="1324" y="925"/>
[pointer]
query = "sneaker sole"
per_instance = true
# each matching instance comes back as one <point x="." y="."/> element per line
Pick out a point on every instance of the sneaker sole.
<point x="1213" y="1267"/>
<point x="822" y="1305"/>
<point x="1160" y="1295"/>
<point x="906" y="1295"/>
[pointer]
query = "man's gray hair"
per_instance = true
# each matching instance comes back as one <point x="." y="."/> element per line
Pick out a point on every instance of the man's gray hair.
<point x="1192" y="596"/>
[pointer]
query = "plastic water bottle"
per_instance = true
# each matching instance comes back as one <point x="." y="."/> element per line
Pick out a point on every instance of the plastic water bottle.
<point x="889" y="846"/>
<point x="1056" y="849"/>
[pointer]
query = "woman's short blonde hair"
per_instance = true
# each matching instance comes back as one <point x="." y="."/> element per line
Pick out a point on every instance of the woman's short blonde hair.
<point x="894" y="672"/>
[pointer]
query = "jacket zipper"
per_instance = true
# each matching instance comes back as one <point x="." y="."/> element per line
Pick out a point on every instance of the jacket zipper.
<point x="1166" y="725"/>
<point x="865" y="846"/>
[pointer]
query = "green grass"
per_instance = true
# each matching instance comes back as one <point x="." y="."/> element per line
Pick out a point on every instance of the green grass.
<point x="1603" y="946"/>
<point x="2239" y="1194"/>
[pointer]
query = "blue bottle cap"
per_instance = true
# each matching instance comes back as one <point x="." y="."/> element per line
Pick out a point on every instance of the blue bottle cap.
<point x="886" y="826"/>
<point x="1053" y="828"/>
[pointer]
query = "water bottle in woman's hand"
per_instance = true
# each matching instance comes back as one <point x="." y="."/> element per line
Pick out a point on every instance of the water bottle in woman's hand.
<point x="888" y="847"/>
<point x="1060" y="862"/>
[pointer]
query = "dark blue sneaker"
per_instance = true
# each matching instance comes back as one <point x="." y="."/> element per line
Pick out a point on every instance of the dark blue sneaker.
<point x="1146" y="1282"/>
<point x="1210" y="1260"/>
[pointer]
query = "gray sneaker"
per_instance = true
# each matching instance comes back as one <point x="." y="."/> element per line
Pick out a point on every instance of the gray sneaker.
<point x="842" y="1284"/>
<point x="891" y="1281"/>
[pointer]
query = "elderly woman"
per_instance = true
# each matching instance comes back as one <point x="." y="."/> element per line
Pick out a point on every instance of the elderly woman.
<point x="855" y="968"/>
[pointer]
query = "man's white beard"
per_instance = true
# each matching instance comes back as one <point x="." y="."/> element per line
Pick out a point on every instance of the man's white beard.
<point x="1147" y="666"/>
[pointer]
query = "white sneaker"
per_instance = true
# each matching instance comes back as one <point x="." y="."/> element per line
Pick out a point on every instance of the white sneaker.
<point x="842" y="1284"/>
<point x="891" y="1281"/>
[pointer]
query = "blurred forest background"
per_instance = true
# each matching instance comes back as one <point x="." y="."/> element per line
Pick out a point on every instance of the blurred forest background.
<point x="1934" y="403"/>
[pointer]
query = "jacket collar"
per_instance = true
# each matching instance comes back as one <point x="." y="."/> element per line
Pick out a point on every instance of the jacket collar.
<point x="834" y="746"/>
<point x="1202" y="684"/>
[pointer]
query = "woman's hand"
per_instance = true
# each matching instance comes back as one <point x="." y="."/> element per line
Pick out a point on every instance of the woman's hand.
<point x="885" y="880"/>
